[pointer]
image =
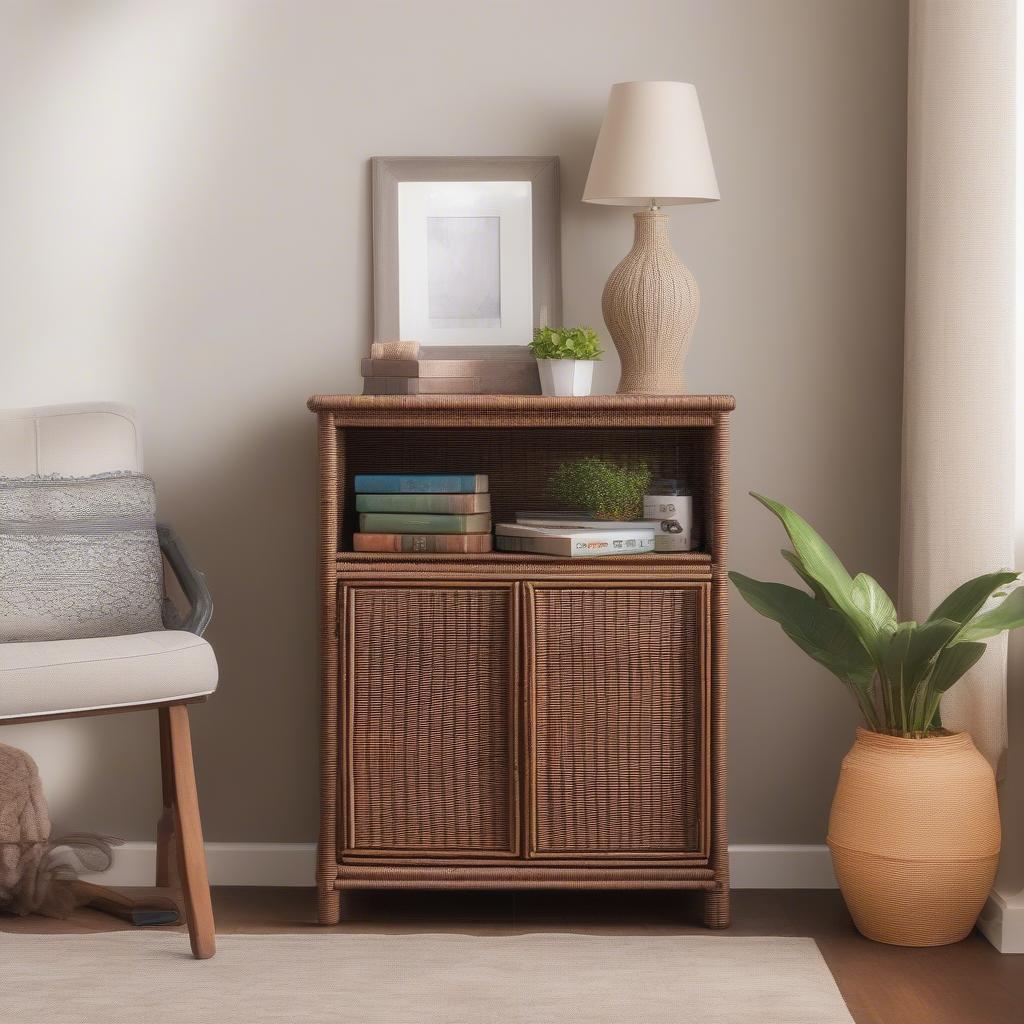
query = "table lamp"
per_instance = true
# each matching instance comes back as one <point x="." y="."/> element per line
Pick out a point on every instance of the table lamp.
<point x="652" y="151"/>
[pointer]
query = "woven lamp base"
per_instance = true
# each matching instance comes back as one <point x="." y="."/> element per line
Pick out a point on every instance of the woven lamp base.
<point x="650" y="305"/>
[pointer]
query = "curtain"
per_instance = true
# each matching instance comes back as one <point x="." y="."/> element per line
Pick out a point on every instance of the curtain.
<point x="957" y="514"/>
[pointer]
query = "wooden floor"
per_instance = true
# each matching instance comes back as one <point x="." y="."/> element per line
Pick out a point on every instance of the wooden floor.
<point x="969" y="983"/>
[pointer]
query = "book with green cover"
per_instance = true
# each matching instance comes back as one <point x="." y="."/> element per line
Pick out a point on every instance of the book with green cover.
<point x="444" y="504"/>
<point x="386" y="522"/>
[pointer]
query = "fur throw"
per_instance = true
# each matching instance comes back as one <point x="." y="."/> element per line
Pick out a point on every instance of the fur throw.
<point x="35" y="874"/>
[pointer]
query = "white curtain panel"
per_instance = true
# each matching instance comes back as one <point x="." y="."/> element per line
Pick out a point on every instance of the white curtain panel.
<point x="957" y="516"/>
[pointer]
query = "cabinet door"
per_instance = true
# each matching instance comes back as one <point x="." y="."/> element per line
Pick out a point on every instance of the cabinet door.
<point x="429" y="708"/>
<point x="618" y="679"/>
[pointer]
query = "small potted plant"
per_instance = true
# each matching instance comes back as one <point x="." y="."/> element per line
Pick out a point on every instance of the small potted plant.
<point x="914" y="830"/>
<point x="565" y="359"/>
<point x="602" y="488"/>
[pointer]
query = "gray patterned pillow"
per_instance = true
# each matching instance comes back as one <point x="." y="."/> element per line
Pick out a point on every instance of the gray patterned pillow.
<point x="79" y="557"/>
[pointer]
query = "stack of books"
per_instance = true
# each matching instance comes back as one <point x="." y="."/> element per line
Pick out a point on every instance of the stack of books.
<point x="417" y="512"/>
<point x="574" y="535"/>
<point x="408" y="368"/>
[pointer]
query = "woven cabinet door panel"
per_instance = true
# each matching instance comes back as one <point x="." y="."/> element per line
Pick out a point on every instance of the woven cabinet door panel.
<point x="430" y="720"/>
<point x="618" y="691"/>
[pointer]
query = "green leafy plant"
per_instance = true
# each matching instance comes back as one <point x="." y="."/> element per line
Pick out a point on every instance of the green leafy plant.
<point x="565" y="343"/>
<point x="606" y="489"/>
<point x="897" y="671"/>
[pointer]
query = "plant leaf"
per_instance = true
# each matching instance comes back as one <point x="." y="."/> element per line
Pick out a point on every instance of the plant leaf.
<point x="952" y="663"/>
<point x="867" y="594"/>
<point x="1008" y="614"/>
<point x="840" y="651"/>
<point x="819" y="631"/>
<point x="969" y="598"/>
<point x="816" y="587"/>
<point x="895" y="674"/>
<point x="822" y="563"/>
<point x="775" y="601"/>
<point x="926" y="642"/>
<point x="895" y="659"/>
<point x="908" y="660"/>
<point x="817" y="558"/>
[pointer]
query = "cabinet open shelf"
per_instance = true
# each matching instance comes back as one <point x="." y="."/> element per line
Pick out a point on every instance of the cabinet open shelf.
<point x="519" y="463"/>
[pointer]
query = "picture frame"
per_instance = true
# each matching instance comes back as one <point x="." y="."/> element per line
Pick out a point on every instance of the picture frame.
<point x="466" y="250"/>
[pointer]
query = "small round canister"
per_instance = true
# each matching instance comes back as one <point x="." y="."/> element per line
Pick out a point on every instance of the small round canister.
<point x="671" y="505"/>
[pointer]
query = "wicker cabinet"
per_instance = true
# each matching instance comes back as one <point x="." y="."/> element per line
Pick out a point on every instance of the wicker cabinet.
<point x="507" y="720"/>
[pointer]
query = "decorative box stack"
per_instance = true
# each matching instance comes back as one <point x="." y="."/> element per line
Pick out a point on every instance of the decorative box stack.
<point x="408" y="368"/>
<point x="416" y="512"/>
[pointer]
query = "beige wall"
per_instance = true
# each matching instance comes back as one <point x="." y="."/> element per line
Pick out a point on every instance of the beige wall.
<point x="184" y="195"/>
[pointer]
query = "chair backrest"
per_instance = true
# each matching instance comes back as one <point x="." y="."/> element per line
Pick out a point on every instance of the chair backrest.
<point x="70" y="440"/>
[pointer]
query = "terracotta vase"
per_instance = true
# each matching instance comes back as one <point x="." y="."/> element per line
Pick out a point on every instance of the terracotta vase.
<point x="914" y="834"/>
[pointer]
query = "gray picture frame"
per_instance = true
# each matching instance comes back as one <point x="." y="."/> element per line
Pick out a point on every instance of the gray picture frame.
<point x="543" y="174"/>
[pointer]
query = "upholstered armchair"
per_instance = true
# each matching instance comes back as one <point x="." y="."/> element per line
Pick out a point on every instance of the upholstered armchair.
<point x="164" y="670"/>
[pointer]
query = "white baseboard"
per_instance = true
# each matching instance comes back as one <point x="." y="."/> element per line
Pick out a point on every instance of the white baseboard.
<point x="1002" y="922"/>
<point x="285" y="864"/>
<point x="780" y="867"/>
<point x="294" y="864"/>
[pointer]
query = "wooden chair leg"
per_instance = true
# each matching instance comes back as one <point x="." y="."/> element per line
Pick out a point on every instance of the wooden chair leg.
<point x="165" y="874"/>
<point x="191" y="855"/>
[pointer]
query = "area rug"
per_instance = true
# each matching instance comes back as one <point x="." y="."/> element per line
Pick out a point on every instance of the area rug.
<point x="540" y="978"/>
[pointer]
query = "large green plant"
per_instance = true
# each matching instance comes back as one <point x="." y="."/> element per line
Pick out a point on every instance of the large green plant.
<point x="897" y="671"/>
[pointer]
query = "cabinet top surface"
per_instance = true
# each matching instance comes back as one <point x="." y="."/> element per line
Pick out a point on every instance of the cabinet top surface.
<point x="523" y="403"/>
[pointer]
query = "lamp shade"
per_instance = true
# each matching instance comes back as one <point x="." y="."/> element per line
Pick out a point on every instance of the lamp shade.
<point x="652" y="146"/>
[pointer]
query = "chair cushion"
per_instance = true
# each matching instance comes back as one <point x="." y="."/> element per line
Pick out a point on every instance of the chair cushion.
<point x="56" y="676"/>
<point x="79" y="557"/>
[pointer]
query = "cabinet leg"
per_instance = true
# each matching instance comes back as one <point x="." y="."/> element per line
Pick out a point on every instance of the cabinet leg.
<point x="329" y="905"/>
<point x="716" y="907"/>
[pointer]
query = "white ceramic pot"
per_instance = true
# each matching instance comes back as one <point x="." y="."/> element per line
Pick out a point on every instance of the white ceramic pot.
<point x="566" y="377"/>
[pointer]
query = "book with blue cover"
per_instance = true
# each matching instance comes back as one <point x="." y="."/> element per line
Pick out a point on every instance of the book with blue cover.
<point x="420" y="483"/>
